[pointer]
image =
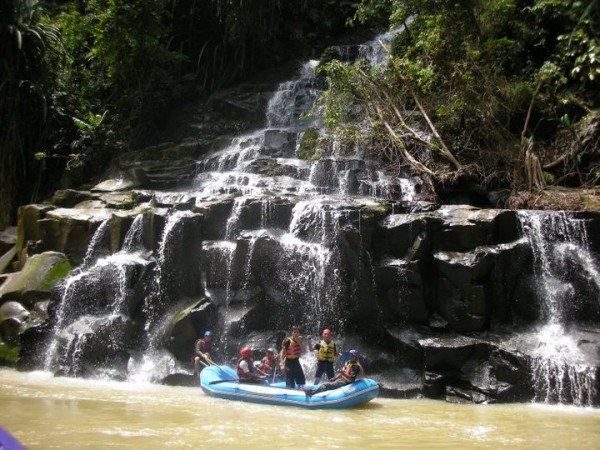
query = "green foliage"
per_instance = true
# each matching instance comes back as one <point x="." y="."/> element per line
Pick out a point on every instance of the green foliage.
<point x="488" y="74"/>
<point x="26" y="83"/>
<point x="309" y="145"/>
<point x="549" y="178"/>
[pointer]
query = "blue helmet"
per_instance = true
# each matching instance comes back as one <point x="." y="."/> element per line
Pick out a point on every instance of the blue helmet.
<point x="354" y="353"/>
<point x="207" y="334"/>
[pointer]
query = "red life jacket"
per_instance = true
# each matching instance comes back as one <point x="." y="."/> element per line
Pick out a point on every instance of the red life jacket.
<point x="202" y="345"/>
<point x="245" y="375"/>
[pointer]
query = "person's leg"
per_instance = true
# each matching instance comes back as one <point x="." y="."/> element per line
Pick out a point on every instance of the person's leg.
<point x="300" y="378"/>
<point x="329" y="369"/>
<point x="320" y="372"/>
<point x="327" y="386"/>
<point x="289" y="374"/>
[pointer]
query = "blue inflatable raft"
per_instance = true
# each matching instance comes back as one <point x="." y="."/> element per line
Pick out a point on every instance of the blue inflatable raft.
<point x="223" y="382"/>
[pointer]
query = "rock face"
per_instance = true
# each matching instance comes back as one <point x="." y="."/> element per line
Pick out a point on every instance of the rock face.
<point x="421" y="294"/>
<point x="454" y="302"/>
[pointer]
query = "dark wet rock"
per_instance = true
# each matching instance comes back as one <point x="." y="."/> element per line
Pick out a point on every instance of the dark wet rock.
<point x="427" y="286"/>
<point x="180" y="379"/>
<point x="476" y="370"/>
<point x="192" y="319"/>
<point x="8" y="240"/>
<point x="282" y="143"/>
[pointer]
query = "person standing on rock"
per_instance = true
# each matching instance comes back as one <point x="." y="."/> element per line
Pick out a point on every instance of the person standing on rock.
<point x="201" y="354"/>
<point x="291" y="349"/>
<point x="326" y="353"/>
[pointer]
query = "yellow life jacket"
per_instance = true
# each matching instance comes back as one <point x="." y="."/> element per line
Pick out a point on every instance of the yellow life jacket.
<point x="350" y="370"/>
<point x="326" y="351"/>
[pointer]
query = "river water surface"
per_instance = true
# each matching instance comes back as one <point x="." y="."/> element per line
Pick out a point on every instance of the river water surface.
<point x="45" y="412"/>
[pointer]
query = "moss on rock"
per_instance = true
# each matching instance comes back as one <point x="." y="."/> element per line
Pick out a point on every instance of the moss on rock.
<point x="309" y="148"/>
<point x="39" y="276"/>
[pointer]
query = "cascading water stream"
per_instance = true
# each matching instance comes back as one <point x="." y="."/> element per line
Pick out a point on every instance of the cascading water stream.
<point x="155" y="300"/>
<point x="558" y="242"/>
<point x="96" y="244"/>
<point x="72" y="324"/>
<point x="133" y="237"/>
<point x="312" y="239"/>
<point x="260" y="169"/>
<point x="232" y="226"/>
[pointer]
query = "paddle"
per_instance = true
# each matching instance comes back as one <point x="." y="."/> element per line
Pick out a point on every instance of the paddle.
<point x="224" y="381"/>
<point x="207" y="358"/>
<point x="345" y="357"/>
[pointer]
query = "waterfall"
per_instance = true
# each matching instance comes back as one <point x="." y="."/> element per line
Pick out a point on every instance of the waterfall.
<point x="266" y="213"/>
<point x="312" y="243"/>
<point x="284" y="107"/>
<point x="265" y="162"/>
<point x="278" y="245"/>
<point x="133" y="237"/>
<point x="218" y="277"/>
<point x="155" y="300"/>
<point x="560" y="248"/>
<point x="96" y="244"/>
<point x="81" y="309"/>
<point x="377" y="51"/>
<point x="233" y="222"/>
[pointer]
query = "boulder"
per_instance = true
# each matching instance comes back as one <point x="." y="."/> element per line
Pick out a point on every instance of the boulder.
<point x="68" y="198"/>
<point x="12" y="316"/>
<point x="8" y="239"/>
<point x="29" y="230"/>
<point x="36" y="280"/>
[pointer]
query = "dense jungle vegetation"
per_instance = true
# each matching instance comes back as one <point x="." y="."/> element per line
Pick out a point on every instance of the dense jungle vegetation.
<point x="508" y="89"/>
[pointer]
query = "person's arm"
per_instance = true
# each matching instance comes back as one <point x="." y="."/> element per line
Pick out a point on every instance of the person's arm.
<point x="259" y="371"/>
<point x="284" y="345"/>
<point x="299" y="342"/>
<point x="338" y="374"/>
<point x="311" y="347"/>
<point x="245" y="367"/>
<point x="201" y="348"/>
<point x="199" y="352"/>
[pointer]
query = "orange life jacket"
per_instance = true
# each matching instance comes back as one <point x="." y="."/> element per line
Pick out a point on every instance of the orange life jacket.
<point x="293" y="351"/>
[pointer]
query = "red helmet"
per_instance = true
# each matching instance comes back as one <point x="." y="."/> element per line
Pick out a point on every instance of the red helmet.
<point x="246" y="351"/>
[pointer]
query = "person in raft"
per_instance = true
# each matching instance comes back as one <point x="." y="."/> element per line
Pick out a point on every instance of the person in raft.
<point x="246" y="370"/>
<point x="346" y="375"/>
<point x="326" y="353"/>
<point x="291" y="349"/>
<point x="201" y="353"/>
<point x="269" y="363"/>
